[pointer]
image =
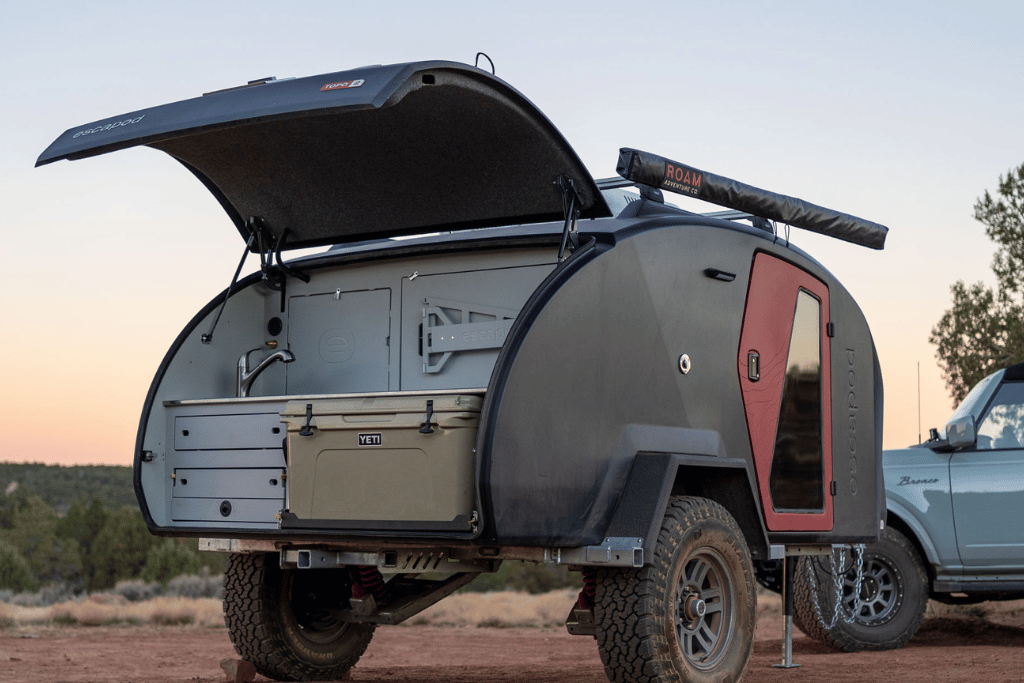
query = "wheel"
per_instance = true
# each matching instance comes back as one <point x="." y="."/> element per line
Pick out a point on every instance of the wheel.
<point x="689" y="614"/>
<point x="284" y="621"/>
<point x="893" y="597"/>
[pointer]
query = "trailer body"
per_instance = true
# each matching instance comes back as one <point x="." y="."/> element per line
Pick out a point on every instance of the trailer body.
<point x="552" y="369"/>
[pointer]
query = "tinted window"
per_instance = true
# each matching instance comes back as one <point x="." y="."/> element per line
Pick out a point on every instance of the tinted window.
<point x="797" y="480"/>
<point x="1003" y="424"/>
<point x="976" y="399"/>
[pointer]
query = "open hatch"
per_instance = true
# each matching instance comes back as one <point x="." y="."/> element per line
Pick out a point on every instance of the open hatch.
<point x="369" y="153"/>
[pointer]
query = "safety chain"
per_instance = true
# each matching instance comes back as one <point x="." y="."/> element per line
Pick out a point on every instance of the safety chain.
<point x="838" y="574"/>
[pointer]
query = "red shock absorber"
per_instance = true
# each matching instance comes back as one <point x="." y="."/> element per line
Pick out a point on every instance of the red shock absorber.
<point x="586" y="599"/>
<point x="368" y="580"/>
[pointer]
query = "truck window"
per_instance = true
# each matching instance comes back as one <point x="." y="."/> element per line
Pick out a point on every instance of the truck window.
<point x="1003" y="424"/>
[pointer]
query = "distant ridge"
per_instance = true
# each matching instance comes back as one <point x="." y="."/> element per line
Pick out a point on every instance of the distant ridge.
<point x="60" y="486"/>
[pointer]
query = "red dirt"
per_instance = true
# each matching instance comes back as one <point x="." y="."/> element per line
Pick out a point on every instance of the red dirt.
<point x="948" y="648"/>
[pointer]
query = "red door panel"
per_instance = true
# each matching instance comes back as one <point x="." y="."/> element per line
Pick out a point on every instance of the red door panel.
<point x="767" y="332"/>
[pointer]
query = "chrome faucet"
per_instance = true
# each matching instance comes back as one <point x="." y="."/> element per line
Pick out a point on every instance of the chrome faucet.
<point x="246" y="376"/>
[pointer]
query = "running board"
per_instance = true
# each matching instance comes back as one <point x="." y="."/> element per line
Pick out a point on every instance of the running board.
<point x="961" y="586"/>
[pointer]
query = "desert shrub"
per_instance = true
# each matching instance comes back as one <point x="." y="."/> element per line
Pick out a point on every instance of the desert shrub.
<point x="196" y="586"/>
<point x="168" y="560"/>
<point x="27" y="599"/>
<point x="214" y="564"/>
<point x="52" y="593"/>
<point x="175" y="620"/>
<point x="136" y="590"/>
<point x="15" y="571"/>
<point x="526" y="577"/>
<point x="542" y="578"/>
<point x="501" y="609"/>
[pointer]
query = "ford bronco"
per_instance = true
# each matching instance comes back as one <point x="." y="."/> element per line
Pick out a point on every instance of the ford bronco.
<point x="954" y="533"/>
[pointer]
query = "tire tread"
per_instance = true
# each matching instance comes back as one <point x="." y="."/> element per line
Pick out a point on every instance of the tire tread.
<point x="845" y="637"/>
<point x="250" y="602"/>
<point x="630" y="606"/>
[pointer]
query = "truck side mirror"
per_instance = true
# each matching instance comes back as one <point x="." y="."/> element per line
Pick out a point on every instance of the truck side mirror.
<point x="960" y="432"/>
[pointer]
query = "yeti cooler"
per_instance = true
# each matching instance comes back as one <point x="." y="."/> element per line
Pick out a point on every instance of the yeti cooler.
<point x="381" y="462"/>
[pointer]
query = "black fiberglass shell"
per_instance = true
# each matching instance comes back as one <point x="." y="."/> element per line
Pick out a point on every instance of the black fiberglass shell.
<point x="592" y="370"/>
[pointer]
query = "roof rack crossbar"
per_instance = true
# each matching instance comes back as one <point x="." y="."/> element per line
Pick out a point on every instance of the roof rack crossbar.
<point x="613" y="183"/>
<point x="650" y="169"/>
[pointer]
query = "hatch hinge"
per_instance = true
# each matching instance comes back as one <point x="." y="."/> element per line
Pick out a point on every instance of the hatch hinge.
<point x="265" y="244"/>
<point x="288" y="270"/>
<point x="572" y="203"/>
<point x="274" y="274"/>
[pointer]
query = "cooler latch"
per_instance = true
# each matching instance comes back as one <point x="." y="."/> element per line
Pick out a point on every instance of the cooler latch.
<point x="307" y="429"/>
<point x="425" y="429"/>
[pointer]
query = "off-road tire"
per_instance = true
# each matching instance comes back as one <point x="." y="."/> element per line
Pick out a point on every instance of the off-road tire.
<point x="650" y="627"/>
<point x="278" y="619"/>
<point x="895" y="594"/>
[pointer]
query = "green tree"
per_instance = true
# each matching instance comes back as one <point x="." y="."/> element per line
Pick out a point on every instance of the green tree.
<point x="120" y="549"/>
<point x="83" y="524"/>
<point x="984" y="329"/>
<point x="10" y="504"/>
<point x="33" y="532"/>
<point x="15" y="571"/>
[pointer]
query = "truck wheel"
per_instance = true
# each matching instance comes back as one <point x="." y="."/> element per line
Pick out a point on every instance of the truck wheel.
<point x="893" y="597"/>
<point x="689" y="614"/>
<point x="283" y="621"/>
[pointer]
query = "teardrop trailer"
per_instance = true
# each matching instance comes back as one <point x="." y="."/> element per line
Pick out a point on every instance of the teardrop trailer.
<point x="556" y="370"/>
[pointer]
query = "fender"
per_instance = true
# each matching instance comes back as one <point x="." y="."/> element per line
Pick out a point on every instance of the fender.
<point x="682" y="461"/>
<point x="920" y="535"/>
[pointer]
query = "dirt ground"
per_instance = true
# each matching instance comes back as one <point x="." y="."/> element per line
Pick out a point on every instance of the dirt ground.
<point x="947" y="648"/>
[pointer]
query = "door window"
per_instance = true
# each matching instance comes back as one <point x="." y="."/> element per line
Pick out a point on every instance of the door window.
<point x="797" y="476"/>
<point x="1003" y="424"/>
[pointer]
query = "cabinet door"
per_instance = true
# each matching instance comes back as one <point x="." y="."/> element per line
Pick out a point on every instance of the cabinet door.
<point x="341" y="342"/>
<point x="784" y="374"/>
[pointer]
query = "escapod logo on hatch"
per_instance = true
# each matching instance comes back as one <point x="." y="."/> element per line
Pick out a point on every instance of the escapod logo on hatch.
<point x="338" y="85"/>
<point x="109" y="126"/>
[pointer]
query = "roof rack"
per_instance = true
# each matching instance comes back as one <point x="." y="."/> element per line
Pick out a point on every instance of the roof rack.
<point x="644" y="168"/>
<point x="727" y="215"/>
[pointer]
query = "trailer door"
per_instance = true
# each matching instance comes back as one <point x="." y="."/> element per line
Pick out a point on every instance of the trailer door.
<point x="784" y="375"/>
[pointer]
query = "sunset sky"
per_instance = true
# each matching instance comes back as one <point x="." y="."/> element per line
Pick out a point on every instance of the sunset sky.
<point x="899" y="112"/>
